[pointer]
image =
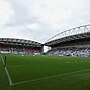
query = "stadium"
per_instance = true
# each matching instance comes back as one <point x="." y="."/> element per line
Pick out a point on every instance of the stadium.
<point x="66" y="66"/>
<point x="73" y="42"/>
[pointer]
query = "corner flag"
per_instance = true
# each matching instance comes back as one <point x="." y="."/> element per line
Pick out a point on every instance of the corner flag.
<point x="5" y="61"/>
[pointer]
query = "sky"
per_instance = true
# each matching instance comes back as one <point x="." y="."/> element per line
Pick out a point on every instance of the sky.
<point x="39" y="20"/>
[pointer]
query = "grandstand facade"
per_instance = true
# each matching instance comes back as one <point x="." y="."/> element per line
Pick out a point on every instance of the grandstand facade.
<point x="72" y="42"/>
<point x="20" y="46"/>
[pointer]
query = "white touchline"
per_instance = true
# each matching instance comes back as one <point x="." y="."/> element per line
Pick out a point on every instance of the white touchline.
<point x="2" y="60"/>
<point x="9" y="78"/>
<point x="7" y="73"/>
<point x="23" y="82"/>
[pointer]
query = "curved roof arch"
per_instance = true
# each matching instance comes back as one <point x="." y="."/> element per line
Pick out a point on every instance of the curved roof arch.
<point x="70" y="32"/>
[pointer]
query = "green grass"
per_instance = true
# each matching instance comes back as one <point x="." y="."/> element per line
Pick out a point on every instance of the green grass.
<point x="34" y="70"/>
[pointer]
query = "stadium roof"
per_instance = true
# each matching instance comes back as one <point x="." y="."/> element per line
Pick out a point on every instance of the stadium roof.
<point x="71" y="34"/>
<point x="20" y="42"/>
<point x="69" y="38"/>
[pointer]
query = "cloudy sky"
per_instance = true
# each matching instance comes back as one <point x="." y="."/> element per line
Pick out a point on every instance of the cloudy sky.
<point x="39" y="20"/>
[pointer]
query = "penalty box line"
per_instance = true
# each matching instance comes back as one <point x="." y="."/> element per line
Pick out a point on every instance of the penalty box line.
<point x="23" y="82"/>
<point x="7" y="73"/>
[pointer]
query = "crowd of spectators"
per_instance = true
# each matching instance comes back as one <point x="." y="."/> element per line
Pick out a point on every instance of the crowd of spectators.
<point x="70" y="52"/>
<point x="18" y="50"/>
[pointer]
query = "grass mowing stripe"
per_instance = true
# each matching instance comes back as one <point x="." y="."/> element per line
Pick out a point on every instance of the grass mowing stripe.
<point x="50" y="77"/>
<point x="7" y="73"/>
<point x="19" y="66"/>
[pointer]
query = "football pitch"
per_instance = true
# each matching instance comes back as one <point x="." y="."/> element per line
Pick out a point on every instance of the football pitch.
<point x="43" y="72"/>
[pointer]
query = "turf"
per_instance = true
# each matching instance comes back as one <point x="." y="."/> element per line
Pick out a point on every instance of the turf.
<point x="39" y="72"/>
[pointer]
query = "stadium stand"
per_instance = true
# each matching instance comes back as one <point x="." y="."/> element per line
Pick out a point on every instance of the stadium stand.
<point x="70" y="52"/>
<point x="72" y="42"/>
<point x="20" y="46"/>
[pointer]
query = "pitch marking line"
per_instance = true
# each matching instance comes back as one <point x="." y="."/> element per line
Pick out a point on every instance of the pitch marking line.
<point x="7" y="73"/>
<point x="23" y="82"/>
<point x="2" y="60"/>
